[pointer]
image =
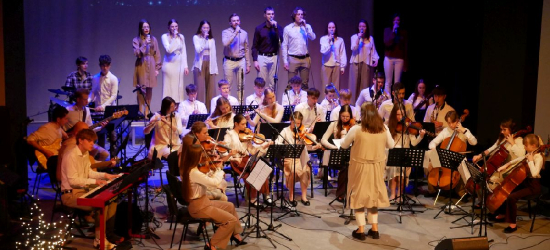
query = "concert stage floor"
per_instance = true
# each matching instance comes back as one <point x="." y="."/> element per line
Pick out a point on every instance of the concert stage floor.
<point x="418" y="231"/>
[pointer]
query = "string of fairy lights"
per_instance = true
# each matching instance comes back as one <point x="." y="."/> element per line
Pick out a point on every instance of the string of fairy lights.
<point x="41" y="235"/>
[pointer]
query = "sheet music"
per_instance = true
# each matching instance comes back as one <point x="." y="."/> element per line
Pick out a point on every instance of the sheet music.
<point x="326" y="157"/>
<point x="259" y="174"/>
<point x="431" y="155"/>
<point x="337" y="142"/>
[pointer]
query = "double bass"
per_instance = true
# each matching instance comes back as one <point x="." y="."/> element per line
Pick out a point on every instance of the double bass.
<point x="517" y="174"/>
<point x="441" y="177"/>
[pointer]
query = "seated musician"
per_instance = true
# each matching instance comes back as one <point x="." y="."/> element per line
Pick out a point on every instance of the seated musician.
<point x="258" y="96"/>
<point x="398" y="97"/>
<point x="513" y="145"/>
<point x="530" y="186"/>
<point x="402" y="140"/>
<point x="463" y="134"/>
<point x="222" y="116"/>
<point x="345" y="99"/>
<point x="79" y="112"/>
<point x="80" y="79"/>
<point x="337" y="130"/>
<point x="47" y="138"/>
<point x="104" y="93"/>
<point x="374" y="93"/>
<point x="331" y="98"/>
<point x="198" y="134"/>
<point x="420" y="100"/>
<point x="269" y="109"/>
<point x="294" y="95"/>
<point x="191" y="106"/>
<point x="195" y="184"/>
<point x="246" y="148"/>
<point x="437" y="112"/>
<point x="76" y="176"/>
<point x="298" y="167"/>
<point x="311" y="110"/>
<point x="225" y="92"/>
<point x="167" y="126"/>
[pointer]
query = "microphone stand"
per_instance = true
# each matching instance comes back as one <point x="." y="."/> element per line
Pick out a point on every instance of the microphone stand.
<point x="242" y="85"/>
<point x="275" y="77"/>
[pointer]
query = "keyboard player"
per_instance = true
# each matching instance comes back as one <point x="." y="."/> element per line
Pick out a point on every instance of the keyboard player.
<point x="76" y="175"/>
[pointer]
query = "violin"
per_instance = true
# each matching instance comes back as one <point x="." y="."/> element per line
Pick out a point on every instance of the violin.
<point x="412" y="128"/>
<point x="423" y="102"/>
<point x="206" y="165"/>
<point x="211" y="144"/>
<point x="308" y="138"/>
<point x="350" y="124"/>
<point x="246" y="135"/>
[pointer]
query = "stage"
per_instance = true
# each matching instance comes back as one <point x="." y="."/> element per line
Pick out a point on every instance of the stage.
<point x="417" y="231"/>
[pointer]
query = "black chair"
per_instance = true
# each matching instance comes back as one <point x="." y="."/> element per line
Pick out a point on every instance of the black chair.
<point x="533" y="210"/>
<point x="173" y="163"/>
<point x="35" y="168"/>
<point x="56" y="184"/>
<point x="236" y="184"/>
<point x="182" y="213"/>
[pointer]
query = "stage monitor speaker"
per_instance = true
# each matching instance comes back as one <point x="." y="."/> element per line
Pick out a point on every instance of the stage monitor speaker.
<point x="471" y="243"/>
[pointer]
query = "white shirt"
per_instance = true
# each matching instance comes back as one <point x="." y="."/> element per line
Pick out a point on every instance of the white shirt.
<point x="534" y="166"/>
<point x="279" y="109"/>
<point x="438" y="114"/>
<point x="224" y="123"/>
<point x="257" y="99"/>
<point x="447" y="132"/>
<point x="201" y="47"/>
<point x="336" y="111"/>
<point x="302" y="97"/>
<point x="76" y="171"/>
<point x="327" y="105"/>
<point x="186" y="108"/>
<point x="335" y="54"/>
<point x="232" y="101"/>
<point x="76" y="115"/>
<point x="200" y="182"/>
<point x="517" y="150"/>
<point x="364" y="52"/>
<point x="385" y="110"/>
<point x="310" y="114"/>
<point x="417" y="101"/>
<point x="163" y="131"/>
<point x="295" y="40"/>
<point x="104" y="89"/>
<point x="46" y="134"/>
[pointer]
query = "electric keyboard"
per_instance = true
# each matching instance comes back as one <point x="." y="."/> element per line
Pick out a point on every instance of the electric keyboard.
<point x="105" y="194"/>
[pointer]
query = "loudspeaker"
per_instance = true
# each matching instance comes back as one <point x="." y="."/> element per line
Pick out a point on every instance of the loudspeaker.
<point x="472" y="243"/>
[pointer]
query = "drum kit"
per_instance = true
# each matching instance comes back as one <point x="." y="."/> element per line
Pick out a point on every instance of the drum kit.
<point x="69" y="100"/>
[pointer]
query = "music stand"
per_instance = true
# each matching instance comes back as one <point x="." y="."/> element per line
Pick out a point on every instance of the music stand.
<point x="340" y="159"/>
<point x="196" y="118"/>
<point x="450" y="160"/>
<point x="258" y="175"/>
<point x="217" y="133"/>
<point x="268" y="131"/>
<point x="320" y="128"/>
<point x="288" y="112"/>
<point x="327" y="117"/>
<point x="402" y="158"/>
<point x="241" y="109"/>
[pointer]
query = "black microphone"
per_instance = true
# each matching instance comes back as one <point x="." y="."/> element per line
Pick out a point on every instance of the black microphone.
<point x="138" y="88"/>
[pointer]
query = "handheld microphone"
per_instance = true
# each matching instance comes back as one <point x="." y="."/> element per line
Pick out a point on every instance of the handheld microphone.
<point x="332" y="34"/>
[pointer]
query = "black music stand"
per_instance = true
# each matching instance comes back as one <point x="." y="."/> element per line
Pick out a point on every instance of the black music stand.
<point x="294" y="152"/>
<point x="288" y="112"/>
<point x="268" y="131"/>
<point x="260" y="233"/>
<point x="196" y="118"/>
<point x="478" y="178"/>
<point x="217" y="133"/>
<point x="241" y="109"/>
<point x="327" y="117"/>
<point x="450" y="160"/>
<point x="340" y="159"/>
<point x="402" y="158"/>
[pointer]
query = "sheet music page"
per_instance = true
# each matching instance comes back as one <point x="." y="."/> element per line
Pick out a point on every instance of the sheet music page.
<point x="433" y="157"/>
<point x="259" y="174"/>
<point x="337" y="142"/>
<point x="326" y="157"/>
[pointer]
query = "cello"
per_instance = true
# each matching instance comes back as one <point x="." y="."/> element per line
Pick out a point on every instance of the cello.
<point x="497" y="158"/>
<point x="517" y="174"/>
<point x="441" y="177"/>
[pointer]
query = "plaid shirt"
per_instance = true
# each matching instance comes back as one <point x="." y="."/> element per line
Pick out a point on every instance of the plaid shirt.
<point x="74" y="79"/>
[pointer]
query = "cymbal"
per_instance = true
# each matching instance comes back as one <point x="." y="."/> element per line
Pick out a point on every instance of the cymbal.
<point x="69" y="89"/>
<point x="58" y="92"/>
<point x="61" y="102"/>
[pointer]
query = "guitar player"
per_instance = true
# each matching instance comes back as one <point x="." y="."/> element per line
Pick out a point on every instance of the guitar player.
<point x="79" y="112"/>
<point x="47" y="138"/>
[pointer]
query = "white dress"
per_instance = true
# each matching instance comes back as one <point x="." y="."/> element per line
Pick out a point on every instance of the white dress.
<point x="175" y="61"/>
